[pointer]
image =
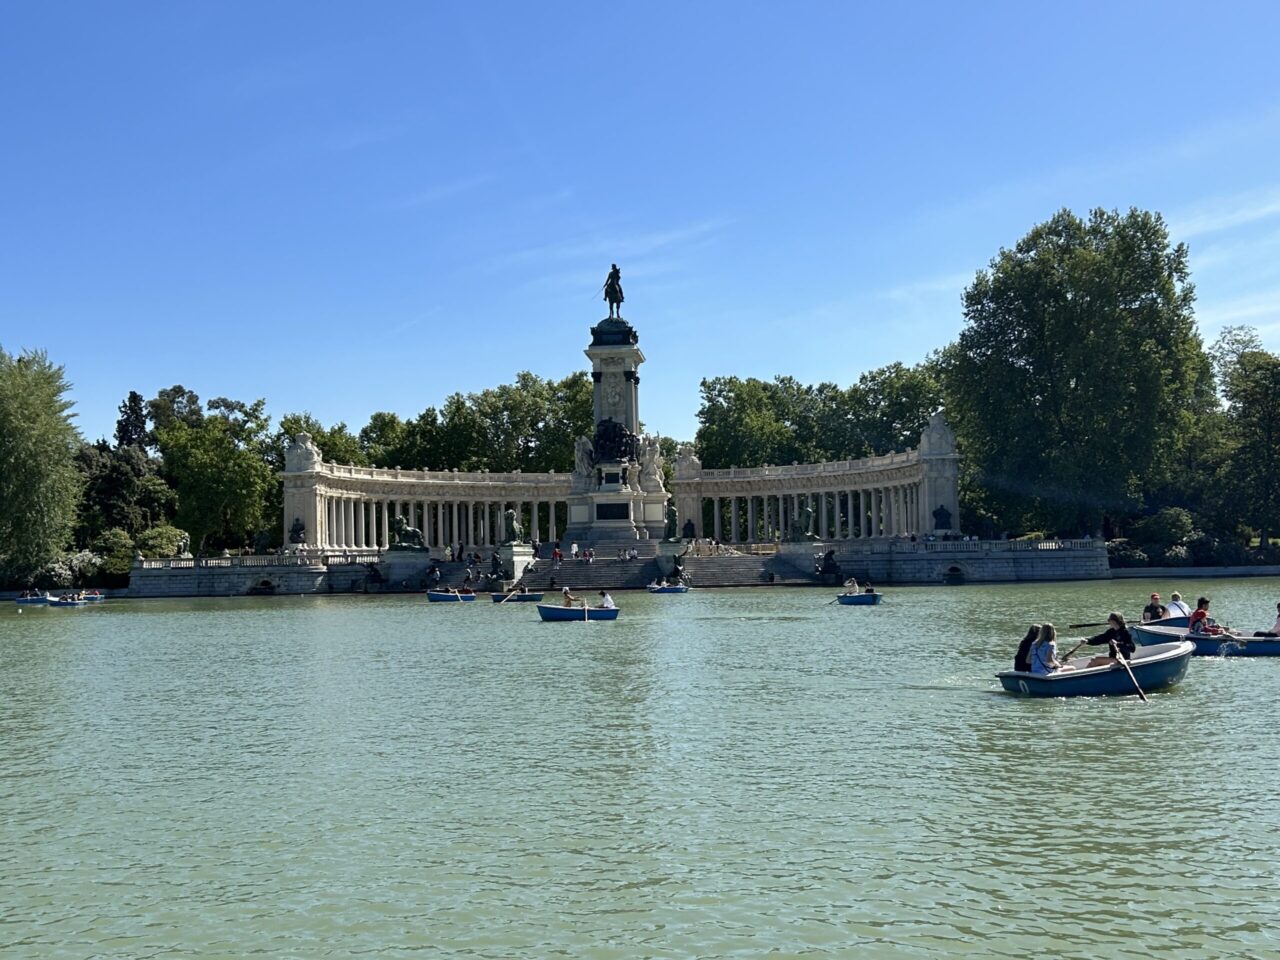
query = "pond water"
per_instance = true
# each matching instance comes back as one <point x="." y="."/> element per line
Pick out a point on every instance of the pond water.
<point x="727" y="773"/>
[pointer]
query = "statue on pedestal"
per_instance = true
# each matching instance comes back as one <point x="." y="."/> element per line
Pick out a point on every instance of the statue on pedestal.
<point x="672" y="532"/>
<point x="298" y="532"/>
<point x="613" y="292"/>
<point x="403" y="536"/>
<point x="515" y="532"/>
<point x="803" y="527"/>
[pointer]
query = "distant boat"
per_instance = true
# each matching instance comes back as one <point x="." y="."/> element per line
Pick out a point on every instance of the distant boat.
<point x="58" y="602"/>
<point x="1154" y="667"/>
<point x="444" y="596"/>
<point x="95" y="597"/>
<point x="859" y="599"/>
<point x="517" y="597"/>
<point x="31" y="601"/>
<point x="1209" y="644"/>
<point x="564" y="614"/>
<point x="671" y="588"/>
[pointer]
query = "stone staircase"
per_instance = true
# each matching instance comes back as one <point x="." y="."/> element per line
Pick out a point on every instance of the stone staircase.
<point x="602" y="574"/>
<point x="742" y="570"/>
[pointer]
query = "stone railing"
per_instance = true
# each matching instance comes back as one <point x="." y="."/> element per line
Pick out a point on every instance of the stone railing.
<point x="832" y="468"/>
<point x="454" y="476"/>
<point x="968" y="546"/>
<point x="327" y="559"/>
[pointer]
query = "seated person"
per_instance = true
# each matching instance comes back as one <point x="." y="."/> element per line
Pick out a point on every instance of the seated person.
<point x="851" y="585"/>
<point x="1022" y="659"/>
<point x="606" y="601"/>
<point x="1200" y="622"/>
<point x="569" y="598"/>
<point x="1154" y="610"/>
<point x="1275" y="627"/>
<point x="1118" y="639"/>
<point x="1044" y="653"/>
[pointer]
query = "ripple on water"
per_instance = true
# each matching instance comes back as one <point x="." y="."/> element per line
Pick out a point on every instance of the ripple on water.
<point x="717" y="774"/>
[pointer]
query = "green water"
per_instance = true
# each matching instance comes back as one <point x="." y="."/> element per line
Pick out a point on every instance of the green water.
<point x="721" y="774"/>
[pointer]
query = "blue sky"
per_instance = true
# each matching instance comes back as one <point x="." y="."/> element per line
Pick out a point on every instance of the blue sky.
<point x="352" y="207"/>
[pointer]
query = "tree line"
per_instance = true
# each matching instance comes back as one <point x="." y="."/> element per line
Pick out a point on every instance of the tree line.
<point x="1083" y="398"/>
<point x="179" y="469"/>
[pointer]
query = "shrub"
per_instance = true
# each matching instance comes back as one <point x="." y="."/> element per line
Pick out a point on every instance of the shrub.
<point x="1203" y="549"/>
<point x="1231" y="554"/>
<point x="161" y="541"/>
<point x="1123" y="553"/>
<point x="1167" y="527"/>
<point x="69" y="570"/>
<point x="116" y="549"/>
<point x="1176" y="556"/>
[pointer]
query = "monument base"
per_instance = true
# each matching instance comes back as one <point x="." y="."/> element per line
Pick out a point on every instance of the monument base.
<point x="516" y="559"/>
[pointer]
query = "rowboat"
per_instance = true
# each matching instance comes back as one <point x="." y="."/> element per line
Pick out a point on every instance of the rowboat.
<point x="676" y="588"/>
<point x="95" y="597"/>
<point x="1210" y="644"/>
<point x="859" y="599"/>
<point x="443" y="596"/>
<point x="58" y="602"/>
<point x="517" y="597"/>
<point x="31" y="601"/>
<point x="1155" y="667"/>
<point x="567" y="614"/>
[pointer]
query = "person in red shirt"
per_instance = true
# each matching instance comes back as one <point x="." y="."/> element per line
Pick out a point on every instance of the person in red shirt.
<point x="1200" y="621"/>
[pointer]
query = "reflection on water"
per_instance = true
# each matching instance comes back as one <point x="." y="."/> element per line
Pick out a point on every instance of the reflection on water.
<point x="717" y="774"/>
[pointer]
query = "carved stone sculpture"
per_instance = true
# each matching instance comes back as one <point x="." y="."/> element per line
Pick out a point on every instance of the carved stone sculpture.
<point x="404" y="536"/>
<point x="672" y="532"/>
<point x="298" y="532"/>
<point x="302" y="455"/>
<point x="515" y="532"/>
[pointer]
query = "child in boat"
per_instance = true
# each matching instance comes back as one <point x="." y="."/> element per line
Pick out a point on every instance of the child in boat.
<point x="1200" y="621"/>
<point x="1118" y="639"/>
<point x="1022" y="659"/>
<point x="1044" y="653"/>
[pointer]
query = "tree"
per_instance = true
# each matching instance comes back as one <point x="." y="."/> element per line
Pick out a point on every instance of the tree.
<point x="116" y="549"/>
<point x="219" y="464"/>
<point x="131" y="428"/>
<point x="1078" y="370"/>
<point x="121" y="489"/>
<point x="161" y="541"/>
<point x="39" y="483"/>
<point x="1252" y="392"/>
<point x="176" y="403"/>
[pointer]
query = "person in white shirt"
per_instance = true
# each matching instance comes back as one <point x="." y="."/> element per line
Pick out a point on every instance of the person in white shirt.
<point x="606" y="601"/>
<point x="1177" y="607"/>
<point x="1275" y="627"/>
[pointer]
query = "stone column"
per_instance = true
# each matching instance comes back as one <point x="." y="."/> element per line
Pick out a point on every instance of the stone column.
<point x="359" y="511"/>
<point x="453" y="523"/>
<point x="752" y="533"/>
<point x="551" y="523"/>
<point x="822" y="516"/>
<point x="715" y="517"/>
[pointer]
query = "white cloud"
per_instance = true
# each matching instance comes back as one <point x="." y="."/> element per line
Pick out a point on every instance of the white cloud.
<point x="1262" y="304"/>
<point x="1224" y="212"/>
<point x="444" y="191"/>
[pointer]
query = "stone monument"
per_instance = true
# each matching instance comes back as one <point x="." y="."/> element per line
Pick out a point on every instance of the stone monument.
<point x="617" y="487"/>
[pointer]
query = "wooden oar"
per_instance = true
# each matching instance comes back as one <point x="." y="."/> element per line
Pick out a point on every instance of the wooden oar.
<point x="1129" y="670"/>
<point x="506" y="598"/>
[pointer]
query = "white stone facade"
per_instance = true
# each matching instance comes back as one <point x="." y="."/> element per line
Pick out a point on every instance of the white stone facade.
<point x="900" y="494"/>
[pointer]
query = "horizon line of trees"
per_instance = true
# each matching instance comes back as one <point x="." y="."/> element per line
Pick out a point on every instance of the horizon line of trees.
<point x="1081" y="393"/>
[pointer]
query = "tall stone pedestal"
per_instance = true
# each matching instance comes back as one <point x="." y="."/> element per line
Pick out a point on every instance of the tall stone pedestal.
<point x="617" y="494"/>
<point x="516" y="559"/>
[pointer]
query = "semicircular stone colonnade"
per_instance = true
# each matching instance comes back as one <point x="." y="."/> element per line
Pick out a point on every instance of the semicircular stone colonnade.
<point x="915" y="492"/>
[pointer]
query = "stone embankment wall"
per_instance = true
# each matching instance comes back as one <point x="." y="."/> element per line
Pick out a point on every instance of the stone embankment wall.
<point x="1187" y="573"/>
<point x="969" y="561"/>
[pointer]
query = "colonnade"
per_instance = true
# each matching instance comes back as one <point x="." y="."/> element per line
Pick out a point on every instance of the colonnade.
<point x="350" y="521"/>
<point x="889" y="510"/>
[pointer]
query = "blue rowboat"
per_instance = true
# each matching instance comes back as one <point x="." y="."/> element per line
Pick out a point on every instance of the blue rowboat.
<point x="95" y="598"/>
<point x="440" y="596"/>
<point x="1208" y="644"/>
<point x="53" y="602"/>
<point x="678" y="588"/>
<point x="1183" y="622"/>
<point x="517" y="597"/>
<point x="31" y="601"/>
<point x="568" y="614"/>
<point x="1154" y="667"/>
<point x="859" y="599"/>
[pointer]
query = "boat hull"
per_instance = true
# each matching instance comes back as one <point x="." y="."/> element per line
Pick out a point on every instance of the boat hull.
<point x="859" y="599"/>
<point x="517" y="597"/>
<point x="68" y="603"/>
<point x="668" y="589"/>
<point x="449" y="597"/>
<point x="31" y="601"/>
<point x="569" y="614"/>
<point x="1154" y="667"/>
<point x="1209" y="645"/>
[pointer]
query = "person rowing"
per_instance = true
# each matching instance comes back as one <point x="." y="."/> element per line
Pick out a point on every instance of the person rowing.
<point x="1118" y="639"/>
<point x="1201" y="623"/>
<point x="569" y="598"/>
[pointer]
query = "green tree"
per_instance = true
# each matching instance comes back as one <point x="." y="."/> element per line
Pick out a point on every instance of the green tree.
<point x="39" y="483"/>
<point x="115" y="547"/>
<point x="131" y="428"/>
<point x="220" y="467"/>
<point x="1078" y="371"/>
<point x="175" y="403"/>
<point x="121" y="489"/>
<point x="1252" y="392"/>
<point x="161" y="541"/>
